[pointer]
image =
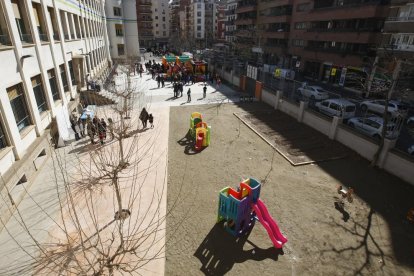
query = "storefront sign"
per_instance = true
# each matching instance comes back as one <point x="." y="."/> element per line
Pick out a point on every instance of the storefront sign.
<point x="333" y="72"/>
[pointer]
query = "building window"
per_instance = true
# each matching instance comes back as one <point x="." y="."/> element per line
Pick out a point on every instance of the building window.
<point x="303" y="7"/>
<point x="64" y="25"/>
<point x="77" y="29"/>
<point x="298" y="42"/>
<point x="4" y="32"/>
<point x="54" y="24"/>
<point x="39" y="93"/>
<point x="19" y="107"/>
<point x="71" y="72"/>
<point x="40" y="22"/>
<point x="121" y="50"/>
<point x="3" y="142"/>
<point x="163" y="18"/>
<point x="198" y="28"/>
<point x="21" y="21"/>
<point x="118" y="30"/>
<point x="117" y="11"/>
<point x="199" y="21"/>
<point x="53" y="84"/>
<point x="164" y="33"/>
<point x="156" y="17"/>
<point x="63" y="77"/>
<point x="198" y="14"/>
<point x="199" y="35"/>
<point x="301" y="25"/>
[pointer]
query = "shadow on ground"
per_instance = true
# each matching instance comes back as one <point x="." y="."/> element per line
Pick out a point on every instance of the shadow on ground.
<point x="219" y="251"/>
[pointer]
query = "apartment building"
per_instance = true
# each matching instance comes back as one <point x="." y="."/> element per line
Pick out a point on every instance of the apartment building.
<point x="145" y="22"/>
<point x="220" y="25"/>
<point x="47" y="48"/>
<point x="246" y="16"/>
<point x="332" y="38"/>
<point x="204" y="22"/>
<point x="320" y="39"/>
<point x="231" y="16"/>
<point x="122" y="28"/>
<point x="161" y="23"/>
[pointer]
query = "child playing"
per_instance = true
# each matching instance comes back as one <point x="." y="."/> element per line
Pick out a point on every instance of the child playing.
<point x="151" y="120"/>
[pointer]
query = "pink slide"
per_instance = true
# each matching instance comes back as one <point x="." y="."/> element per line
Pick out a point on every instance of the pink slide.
<point x="269" y="224"/>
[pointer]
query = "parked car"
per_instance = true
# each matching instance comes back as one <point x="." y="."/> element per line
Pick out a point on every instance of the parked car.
<point x="142" y="50"/>
<point x="411" y="150"/>
<point x="378" y="106"/>
<point x="337" y="107"/>
<point x="313" y="92"/>
<point x="372" y="126"/>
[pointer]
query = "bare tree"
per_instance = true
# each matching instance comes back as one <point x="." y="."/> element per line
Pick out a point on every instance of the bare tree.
<point x="110" y="201"/>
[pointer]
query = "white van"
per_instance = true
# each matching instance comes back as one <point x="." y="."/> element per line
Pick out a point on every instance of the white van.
<point x="337" y="107"/>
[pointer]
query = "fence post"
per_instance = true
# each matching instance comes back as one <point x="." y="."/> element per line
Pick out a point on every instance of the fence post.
<point x="388" y="145"/>
<point x="301" y="111"/>
<point x="278" y="93"/>
<point x="334" y="126"/>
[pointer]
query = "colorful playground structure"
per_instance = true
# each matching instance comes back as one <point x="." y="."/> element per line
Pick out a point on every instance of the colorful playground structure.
<point x="199" y="130"/>
<point x="175" y="64"/>
<point x="242" y="207"/>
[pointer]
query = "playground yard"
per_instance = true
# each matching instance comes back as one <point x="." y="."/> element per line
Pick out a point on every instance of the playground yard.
<point x="371" y="237"/>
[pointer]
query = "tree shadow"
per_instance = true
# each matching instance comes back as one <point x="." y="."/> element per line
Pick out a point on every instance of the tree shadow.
<point x="188" y="143"/>
<point x="219" y="251"/>
<point x="366" y="243"/>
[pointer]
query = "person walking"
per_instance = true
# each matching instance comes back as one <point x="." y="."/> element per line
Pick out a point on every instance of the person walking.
<point x="181" y="88"/>
<point x="144" y="117"/>
<point x="111" y="128"/>
<point x="189" y="95"/>
<point x="162" y="81"/>
<point x="151" y="120"/>
<point x="204" y="91"/>
<point x="218" y="81"/>
<point x="90" y="129"/>
<point x="158" y="80"/>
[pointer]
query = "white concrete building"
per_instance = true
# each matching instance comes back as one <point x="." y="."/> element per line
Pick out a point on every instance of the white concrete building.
<point x="161" y="22"/>
<point x="47" y="47"/>
<point x="122" y="28"/>
<point x="204" y="23"/>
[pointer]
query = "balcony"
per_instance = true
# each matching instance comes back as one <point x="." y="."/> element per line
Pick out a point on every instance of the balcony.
<point x="338" y="51"/>
<point x="326" y="4"/>
<point x="229" y="23"/>
<point x="146" y="11"/>
<point x="245" y="21"/>
<point x="276" y="34"/>
<point x="144" y="3"/>
<point x="399" y="47"/>
<point x="399" y="25"/>
<point x="230" y="12"/>
<point x="246" y="9"/>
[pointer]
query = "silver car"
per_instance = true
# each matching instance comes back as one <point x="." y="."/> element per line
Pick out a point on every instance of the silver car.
<point x="378" y="106"/>
<point x="372" y="126"/>
<point x="313" y="92"/>
<point x="337" y="107"/>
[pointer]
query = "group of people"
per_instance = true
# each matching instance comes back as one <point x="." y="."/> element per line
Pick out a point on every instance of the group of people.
<point x="145" y="118"/>
<point x="92" y="127"/>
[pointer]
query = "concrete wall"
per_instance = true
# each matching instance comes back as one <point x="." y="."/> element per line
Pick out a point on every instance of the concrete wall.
<point x="392" y="163"/>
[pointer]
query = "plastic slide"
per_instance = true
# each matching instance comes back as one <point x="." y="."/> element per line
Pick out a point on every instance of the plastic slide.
<point x="269" y="224"/>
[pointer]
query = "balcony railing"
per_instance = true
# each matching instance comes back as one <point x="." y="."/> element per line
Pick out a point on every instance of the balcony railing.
<point x="5" y="40"/>
<point x="335" y="50"/>
<point x="344" y="30"/>
<point x="399" y="47"/>
<point x="403" y="18"/>
<point x="322" y="4"/>
<point x="246" y="3"/>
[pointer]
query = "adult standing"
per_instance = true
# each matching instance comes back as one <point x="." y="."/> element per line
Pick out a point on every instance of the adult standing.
<point x="204" y="91"/>
<point x="189" y="95"/>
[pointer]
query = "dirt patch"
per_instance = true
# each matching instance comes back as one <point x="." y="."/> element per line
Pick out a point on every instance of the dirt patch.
<point x="370" y="236"/>
<point x="298" y="143"/>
